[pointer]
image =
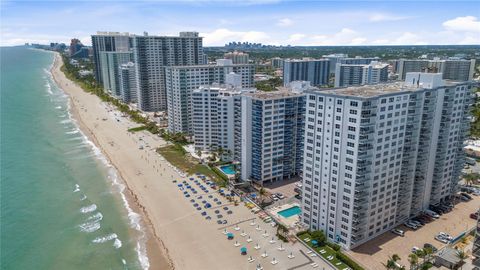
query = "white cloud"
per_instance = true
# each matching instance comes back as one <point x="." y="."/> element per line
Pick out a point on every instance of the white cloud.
<point x="384" y="17"/>
<point x="463" y="24"/>
<point x="295" y="37"/>
<point x="221" y="36"/>
<point x="285" y="22"/>
<point x="346" y="36"/>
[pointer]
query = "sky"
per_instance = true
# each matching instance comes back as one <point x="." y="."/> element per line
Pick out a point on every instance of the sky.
<point x="275" y="22"/>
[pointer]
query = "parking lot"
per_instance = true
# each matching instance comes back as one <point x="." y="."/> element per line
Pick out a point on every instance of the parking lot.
<point x="285" y="187"/>
<point x="375" y="252"/>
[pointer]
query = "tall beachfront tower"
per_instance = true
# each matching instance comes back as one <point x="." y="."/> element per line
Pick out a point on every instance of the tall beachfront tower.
<point x="272" y="135"/>
<point x="182" y="80"/>
<point x="216" y="119"/>
<point x="378" y="155"/>
<point x="152" y="54"/>
<point x="315" y="71"/>
<point x="108" y="42"/>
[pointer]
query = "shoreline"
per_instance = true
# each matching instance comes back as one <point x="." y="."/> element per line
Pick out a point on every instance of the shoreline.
<point x="154" y="245"/>
<point x="181" y="235"/>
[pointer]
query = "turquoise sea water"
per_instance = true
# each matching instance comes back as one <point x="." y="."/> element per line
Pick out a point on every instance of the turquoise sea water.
<point x="61" y="204"/>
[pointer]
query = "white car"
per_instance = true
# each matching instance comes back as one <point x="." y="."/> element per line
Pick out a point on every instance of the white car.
<point x="411" y="226"/>
<point x="398" y="232"/>
<point x="441" y="239"/>
<point x="445" y="235"/>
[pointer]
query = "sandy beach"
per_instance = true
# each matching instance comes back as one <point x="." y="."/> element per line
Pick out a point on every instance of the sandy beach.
<point x="179" y="237"/>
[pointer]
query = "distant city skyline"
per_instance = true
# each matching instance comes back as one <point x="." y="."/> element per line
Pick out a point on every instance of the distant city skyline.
<point x="263" y="21"/>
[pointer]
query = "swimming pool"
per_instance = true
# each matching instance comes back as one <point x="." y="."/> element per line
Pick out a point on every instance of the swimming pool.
<point x="295" y="210"/>
<point x="228" y="169"/>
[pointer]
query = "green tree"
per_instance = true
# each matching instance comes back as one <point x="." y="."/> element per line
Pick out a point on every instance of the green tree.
<point x="413" y="260"/>
<point x="319" y="236"/>
<point x="392" y="262"/>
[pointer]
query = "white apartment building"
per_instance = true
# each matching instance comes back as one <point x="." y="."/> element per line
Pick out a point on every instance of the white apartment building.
<point x="128" y="82"/>
<point x="216" y="119"/>
<point x="355" y="74"/>
<point x="110" y="63"/>
<point x="152" y="54"/>
<point x="108" y="42"/>
<point x="377" y="155"/>
<point x="315" y="71"/>
<point x="451" y="69"/>
<point x="237" y="57"/>
<point x="182" y="80"/>
<point x="272" y="135"/>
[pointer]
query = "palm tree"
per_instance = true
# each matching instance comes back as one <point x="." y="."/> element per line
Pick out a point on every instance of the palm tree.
<point x="462" y="256"/>
<point x="421" y="254"/>
<point x="427" y="252"/>
<point x="392" y="262"/>
<point x="262" y="192"/>
<point x="413" y="260"/>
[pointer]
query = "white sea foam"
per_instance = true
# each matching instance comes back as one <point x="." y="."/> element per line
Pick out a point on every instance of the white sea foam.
<point x="77" y="188"/>
<point x="49" y="88"/>
<point x="89" y="227"/>
<point x="83" y="197"/>
<point x="58" y="107"/>
<point x="103" y="239"/>
<point x="117" y="243"/>
<point x="95" y="218"/>
<point x="124" y="262"/>
<point x="75" y="131"/>
<point x="88" y="209"/>
<point x="66" y="121"/>
<point x="134" y="218"/>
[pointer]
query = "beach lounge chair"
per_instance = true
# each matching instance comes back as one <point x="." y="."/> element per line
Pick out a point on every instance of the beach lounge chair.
<point x="330" y="258"/>
<point x="313" y="255"/>
<point x="250" y="259"/>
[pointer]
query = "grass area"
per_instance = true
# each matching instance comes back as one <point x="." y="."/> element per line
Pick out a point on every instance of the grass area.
<point x="328" y="252"/>
<point x="178" y="157"/>
<point x="135" y="129"/>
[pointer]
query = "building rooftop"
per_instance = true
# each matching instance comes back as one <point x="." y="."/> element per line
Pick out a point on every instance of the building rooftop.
<point x="306" y="60"/>
<point x="281" y="93"/>
<point x="367" y="91"/>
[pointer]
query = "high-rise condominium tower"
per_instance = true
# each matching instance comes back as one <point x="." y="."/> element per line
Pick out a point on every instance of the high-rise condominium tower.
<point x="378" y="155"/>
<point x="151" y="54"/>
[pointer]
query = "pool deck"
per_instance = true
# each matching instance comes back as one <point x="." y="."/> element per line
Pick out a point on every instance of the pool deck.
<point x="291" y="221"/>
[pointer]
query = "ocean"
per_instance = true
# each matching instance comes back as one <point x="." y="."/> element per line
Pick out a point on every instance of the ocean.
<point x="62" y="206"/>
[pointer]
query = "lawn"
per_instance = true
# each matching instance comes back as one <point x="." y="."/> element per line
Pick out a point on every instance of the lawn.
<point x="328" y="252"/>
<point x="135" y="129"/>
<point x="176" y="155"/>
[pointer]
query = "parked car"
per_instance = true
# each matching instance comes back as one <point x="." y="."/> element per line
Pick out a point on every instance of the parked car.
<point x="416" y="223"/>
<point x="464" y="198"/>
<point x="466" y="195"/>
<point x="428" y="245"/>
<point x="432" y="214"/>
<point x="398" y="232"/>
<point x="411" y="226"/>
<point x="474" y="215"/>
<point x="445" y="235"/>
<point x="441" y="239"/>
